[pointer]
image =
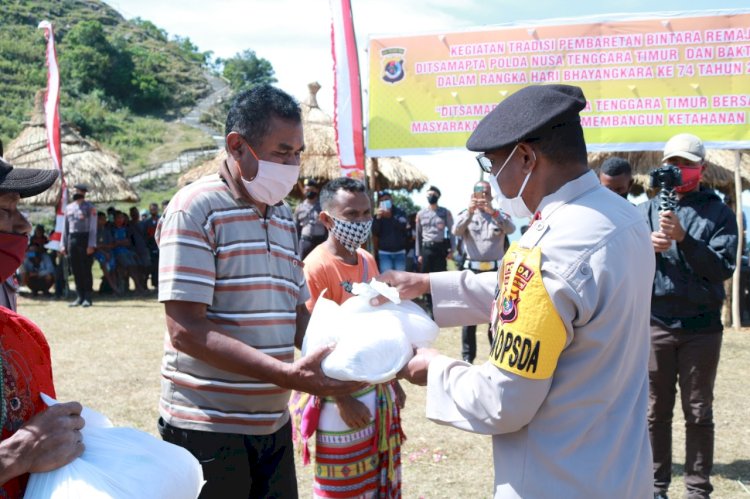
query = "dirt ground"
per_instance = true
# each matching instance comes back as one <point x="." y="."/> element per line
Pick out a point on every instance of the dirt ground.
<point x="108" y="357"/>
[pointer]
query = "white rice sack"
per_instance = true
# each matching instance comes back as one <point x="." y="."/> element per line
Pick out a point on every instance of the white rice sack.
<point x="419" y="328"/>
<point x="373" y="351"/>
<point x="373" y="343"/>
<point x="120" y="463"/>
<point x="322" y="328"/>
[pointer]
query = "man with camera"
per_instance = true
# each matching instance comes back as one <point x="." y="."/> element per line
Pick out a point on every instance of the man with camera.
<point x="694" y="235"/>
<point x="483" y="230"/>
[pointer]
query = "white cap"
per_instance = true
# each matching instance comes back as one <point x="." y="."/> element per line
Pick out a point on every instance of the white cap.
<point x="685" y="145"/>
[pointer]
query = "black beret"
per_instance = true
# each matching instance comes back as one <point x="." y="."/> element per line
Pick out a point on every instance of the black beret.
<point x="527" y="114"/>
<point x="81" y="187"/>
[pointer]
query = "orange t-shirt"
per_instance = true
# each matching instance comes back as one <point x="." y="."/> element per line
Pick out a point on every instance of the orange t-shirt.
<point x="323" y="270"/>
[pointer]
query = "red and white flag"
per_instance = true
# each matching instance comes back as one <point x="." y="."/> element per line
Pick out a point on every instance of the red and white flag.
<point x="347" y="115"/>
<point x="52" y="123"/>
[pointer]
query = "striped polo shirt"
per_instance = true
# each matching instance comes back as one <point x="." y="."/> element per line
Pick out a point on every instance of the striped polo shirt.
<point x="218" y="249"/>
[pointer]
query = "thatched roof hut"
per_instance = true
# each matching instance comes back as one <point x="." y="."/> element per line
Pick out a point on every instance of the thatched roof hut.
<point x="320" y="158"/>
<point x="719" y="173"/>
<point x="84" y="162"/>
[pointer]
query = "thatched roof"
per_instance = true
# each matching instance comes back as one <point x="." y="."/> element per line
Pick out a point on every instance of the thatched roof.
<point x="320" y="158"/>
<point x="206" y="168"/>
<point x="719" y="173"/>
<point x="84" y="162"/>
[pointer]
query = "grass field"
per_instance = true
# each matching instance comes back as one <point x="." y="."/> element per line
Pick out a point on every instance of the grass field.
<point x="108" y="357"/>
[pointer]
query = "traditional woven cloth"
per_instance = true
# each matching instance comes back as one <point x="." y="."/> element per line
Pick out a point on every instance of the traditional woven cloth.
<point x="360" y="462"/>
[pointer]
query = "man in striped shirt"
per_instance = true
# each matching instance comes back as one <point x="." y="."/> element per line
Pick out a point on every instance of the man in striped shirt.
<point x="234" y="295"/>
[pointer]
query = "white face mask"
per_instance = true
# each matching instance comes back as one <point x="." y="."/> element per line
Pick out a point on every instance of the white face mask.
<point x="515" y="207"/>
<point x="272" y="182"/>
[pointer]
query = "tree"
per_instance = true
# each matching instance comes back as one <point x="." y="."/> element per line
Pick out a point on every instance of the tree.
<point x="245" y="70"/>
<point x="86" y="57"/>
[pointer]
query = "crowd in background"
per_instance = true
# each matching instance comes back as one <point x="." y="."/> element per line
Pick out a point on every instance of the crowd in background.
<point x="126" y="251"/>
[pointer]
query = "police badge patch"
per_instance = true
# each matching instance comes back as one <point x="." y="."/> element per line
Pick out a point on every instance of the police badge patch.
<point x="529" y="334"/>
<point x="392" y="60"/>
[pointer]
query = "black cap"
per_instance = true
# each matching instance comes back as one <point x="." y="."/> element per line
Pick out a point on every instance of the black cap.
<point x="435" y="189"/>
<point x="529" y="113"/>
<point x="25" y="181"/>
<point x="310" y="182"/>
<point x="81" y="187"/>
<point x="383" y="193"/>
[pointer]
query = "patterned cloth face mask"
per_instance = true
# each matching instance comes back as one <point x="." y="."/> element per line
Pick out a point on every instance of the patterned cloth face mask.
<point x="351" y="234"/>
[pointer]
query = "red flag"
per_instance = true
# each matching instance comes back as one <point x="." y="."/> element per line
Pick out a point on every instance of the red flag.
<point x="52" y="123"/>
<point x="347" y="115"/>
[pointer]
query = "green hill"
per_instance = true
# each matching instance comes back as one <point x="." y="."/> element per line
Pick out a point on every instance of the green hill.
<point x="122" y="80"/>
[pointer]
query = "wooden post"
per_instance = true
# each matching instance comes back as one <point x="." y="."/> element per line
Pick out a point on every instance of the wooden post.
<point x="736" y="314"/>
<point x="374" y="175"/>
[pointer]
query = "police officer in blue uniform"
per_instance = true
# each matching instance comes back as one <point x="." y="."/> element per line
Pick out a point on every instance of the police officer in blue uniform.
<point x="79" y="242"/>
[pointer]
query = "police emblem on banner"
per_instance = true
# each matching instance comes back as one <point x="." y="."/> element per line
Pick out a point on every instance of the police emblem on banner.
<point x="392" y="62"/>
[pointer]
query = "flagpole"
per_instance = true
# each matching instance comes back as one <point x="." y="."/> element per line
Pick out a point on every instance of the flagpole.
<point x="52" y="125"/>
<point x="347" y="91"/>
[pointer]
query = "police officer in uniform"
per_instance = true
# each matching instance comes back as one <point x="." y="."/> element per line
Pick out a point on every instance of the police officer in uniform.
<point x="310" y="230"/>
<point x="79" y="243"/>
<point x="564" y="392"/>
<point x="483" y="230"/>
<point x="434" y="239"/>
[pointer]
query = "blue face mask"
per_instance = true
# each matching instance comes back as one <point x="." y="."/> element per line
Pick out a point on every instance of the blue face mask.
<point x="31" y="254"/>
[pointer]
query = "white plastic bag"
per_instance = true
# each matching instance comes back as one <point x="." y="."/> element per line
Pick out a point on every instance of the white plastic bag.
<point x="120" y="463"/>
<point x="372" y="343"/>
<point x="370" y="351"/>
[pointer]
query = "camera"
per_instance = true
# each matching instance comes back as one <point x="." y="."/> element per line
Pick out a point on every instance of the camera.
<point x="667" y="177"/>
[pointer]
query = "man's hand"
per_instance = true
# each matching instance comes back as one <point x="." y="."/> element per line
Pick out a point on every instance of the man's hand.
<point x="354" y="413"/>
<point x="670" y="226"/>
<point x="47" y="441"/>
<point x="306" y="375"/>
<point x="408" y="284"/>
<point x="415" y="371"/>
<point x="383" y="213"/>
<point x="400" y="394"/>
<point x="90" y="250"/>
<point x="660" y="242"/>
<point x="472" y="204"/>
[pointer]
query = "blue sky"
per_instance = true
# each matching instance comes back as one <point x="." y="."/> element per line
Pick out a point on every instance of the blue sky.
<point x="295" y="36"/>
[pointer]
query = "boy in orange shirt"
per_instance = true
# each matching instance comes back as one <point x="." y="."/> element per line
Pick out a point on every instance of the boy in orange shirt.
<point x="358" y="439"/>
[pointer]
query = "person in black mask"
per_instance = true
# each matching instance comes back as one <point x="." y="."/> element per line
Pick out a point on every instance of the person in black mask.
<point x="33" y="437"/>
<point x="616" y="175"/>
<point x="310" y="230"/>
<point x="79" y="242"/>
<point x="435" y="242"/>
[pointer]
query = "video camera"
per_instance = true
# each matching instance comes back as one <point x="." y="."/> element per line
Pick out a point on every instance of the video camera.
<point x="667" y="177"/>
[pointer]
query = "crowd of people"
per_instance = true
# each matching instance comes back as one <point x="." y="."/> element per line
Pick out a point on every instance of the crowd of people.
<point x="579" y="387"/>
<point x="122" y="244"/>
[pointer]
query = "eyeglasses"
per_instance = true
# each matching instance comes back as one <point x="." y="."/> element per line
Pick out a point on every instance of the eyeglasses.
<point x="485" y="163"/>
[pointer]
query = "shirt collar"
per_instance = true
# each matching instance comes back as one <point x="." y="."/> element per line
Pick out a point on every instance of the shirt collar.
<point x="567" y="193"/>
